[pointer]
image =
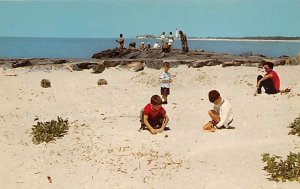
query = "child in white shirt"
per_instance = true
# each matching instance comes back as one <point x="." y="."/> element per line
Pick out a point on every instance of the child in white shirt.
<point x="221" y="114"/>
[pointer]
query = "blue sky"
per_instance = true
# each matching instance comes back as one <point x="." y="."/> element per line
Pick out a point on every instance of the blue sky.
<point x="109" y="18"/>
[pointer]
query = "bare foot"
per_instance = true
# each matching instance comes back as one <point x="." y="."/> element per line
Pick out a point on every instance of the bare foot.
<point x="212" y="129"/>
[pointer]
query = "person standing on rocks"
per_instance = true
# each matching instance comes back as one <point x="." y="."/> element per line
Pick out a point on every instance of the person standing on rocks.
<point x="184" y="42"/>
<point x="171" y="40"/>
<point x="163" y="38"/>
<point x="121" y="42"/>
<point x="270" y="81"/>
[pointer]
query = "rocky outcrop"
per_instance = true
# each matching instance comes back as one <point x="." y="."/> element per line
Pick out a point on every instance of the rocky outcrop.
<point x="60" y="62"/>
<point x="22" y="63"/>
<point x="153" y="58"/>
<point x="154" y="64"/>
<point x="99" y="68"/>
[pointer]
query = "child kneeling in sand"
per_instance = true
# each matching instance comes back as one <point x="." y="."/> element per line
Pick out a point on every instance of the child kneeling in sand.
<point x="221" y="114"/>
<point x="154" y="116"/>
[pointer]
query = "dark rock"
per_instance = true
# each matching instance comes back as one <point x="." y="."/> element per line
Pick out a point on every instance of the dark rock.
<point x="173" y="63"/>
<point x="243" y="60"/>
<point x="86" y="65"/>
<point x="260" y="55"/>
<point x="186" y="61"/>
<point x="197" y="64"/>
<point x="99" y="68"/>
<point x="143" y="55"/>
<point x="227" y="64"/>
<point x="153" y="53"/>
<point x="201" y="63"/>
<point x="138" y="68"/>
<point x="109" y="53"/>
<point x="60" y="61"/>
<point x="75" y="67"/>
<point x="22" y="63"/>
<point x="45" y="83"/>
<point x="133" y="54"/>
<point x="154" y="64"/>
<point x="111" y="63"/>
<point x="214" y="62"/>
<point x="102" y="82"/>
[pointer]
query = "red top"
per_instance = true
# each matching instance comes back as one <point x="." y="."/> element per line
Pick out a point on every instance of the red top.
<point x="148" y="111"/>
<point x="275" y="79"/>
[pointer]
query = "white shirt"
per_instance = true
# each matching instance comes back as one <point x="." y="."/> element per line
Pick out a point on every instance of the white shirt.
<point x="226" y="114"/>
<point x="165" y="76"/>
<point x="155" y="46"/>
<point x="171" y="39"/>
<point x="162" y="37"/>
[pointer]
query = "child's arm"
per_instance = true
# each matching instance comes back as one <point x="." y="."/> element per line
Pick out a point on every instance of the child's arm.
<point x="166" y="80"/>
<point x="224" y="116"/>
<point x="151" y="129"/>
<point x="164" y="124"/>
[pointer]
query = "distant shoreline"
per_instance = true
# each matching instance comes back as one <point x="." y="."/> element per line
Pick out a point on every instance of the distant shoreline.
<point x="249" y="40"/>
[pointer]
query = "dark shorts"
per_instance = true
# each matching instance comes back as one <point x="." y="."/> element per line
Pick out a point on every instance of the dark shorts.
<point x="164" y="91"/>
<point x="154" y="122"/>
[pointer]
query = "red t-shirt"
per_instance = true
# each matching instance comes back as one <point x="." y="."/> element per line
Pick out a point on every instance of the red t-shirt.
<point x="148" y="111"/>
<point x="275" y="80"/>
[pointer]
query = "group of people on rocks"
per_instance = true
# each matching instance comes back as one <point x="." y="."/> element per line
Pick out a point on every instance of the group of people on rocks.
<point x="166" y="46"/>
<point x="154" y="117"/>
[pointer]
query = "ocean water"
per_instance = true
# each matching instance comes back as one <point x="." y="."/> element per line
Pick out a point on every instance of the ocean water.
<point x="27" y="47"/>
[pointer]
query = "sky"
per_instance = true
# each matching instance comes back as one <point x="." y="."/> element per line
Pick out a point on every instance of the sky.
<point x="109" y="18"/>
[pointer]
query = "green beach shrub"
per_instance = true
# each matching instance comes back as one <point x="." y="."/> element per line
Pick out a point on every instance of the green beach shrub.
<point x="282" y="170"/>
<point x="295" y="126"/>
<point x="49" y="131"/>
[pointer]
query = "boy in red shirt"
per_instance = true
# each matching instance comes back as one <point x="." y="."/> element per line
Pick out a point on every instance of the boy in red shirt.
<point x="154" y="116"/>
<point x="270" y="81"/>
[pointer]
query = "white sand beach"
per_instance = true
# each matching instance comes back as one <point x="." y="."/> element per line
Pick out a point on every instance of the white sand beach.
<point x="103" y="148"/>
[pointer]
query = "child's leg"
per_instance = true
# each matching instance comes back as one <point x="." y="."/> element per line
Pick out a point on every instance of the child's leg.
<point x="165" y="97"/>
<point x="214" y="116"/>
<point x="164" y="93"/>
<point x="207" y="126"/>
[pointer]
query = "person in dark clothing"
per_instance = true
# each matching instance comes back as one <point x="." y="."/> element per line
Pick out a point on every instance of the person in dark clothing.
<point x="184" y="42"/>
<point x="121" y="42"/>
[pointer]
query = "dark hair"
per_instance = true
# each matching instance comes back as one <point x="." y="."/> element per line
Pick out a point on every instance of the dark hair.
<point x="270" y="64"/>
<point x="171" y="33"/>
<point x="156" y="100"/>
<point x="180" y="32"/>
<point x="166" y="64"/>
<point x="213" y="95"/>
<point x="121" y="35"/>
